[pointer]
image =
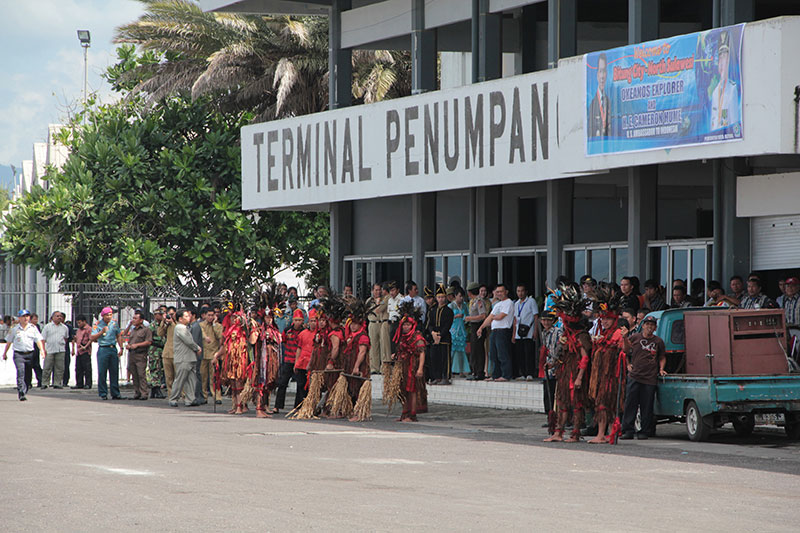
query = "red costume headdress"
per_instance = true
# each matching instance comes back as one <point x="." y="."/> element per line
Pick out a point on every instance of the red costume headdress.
<point x="569" y="303"/>
<point x="606" y="300"/>
<point x="408" y="313"/>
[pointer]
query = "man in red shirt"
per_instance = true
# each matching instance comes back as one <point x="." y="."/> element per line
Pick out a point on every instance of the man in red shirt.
<point x="306" y="340"/>
<point x="291" y="344"/>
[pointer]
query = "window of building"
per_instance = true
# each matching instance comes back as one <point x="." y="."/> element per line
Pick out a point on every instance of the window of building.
<point x="522" y="265"/>
<point x="362" y="271"/>
<point x="445" y="267"/>
<point x="604" y="262"/>
<point x="687" y="260"/>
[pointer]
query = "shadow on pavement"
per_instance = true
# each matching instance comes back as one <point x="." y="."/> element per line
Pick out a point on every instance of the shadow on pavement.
<point x="767" y="449"/>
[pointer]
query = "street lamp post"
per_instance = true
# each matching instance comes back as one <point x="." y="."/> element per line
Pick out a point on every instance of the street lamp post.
<point x="85" y="39"/>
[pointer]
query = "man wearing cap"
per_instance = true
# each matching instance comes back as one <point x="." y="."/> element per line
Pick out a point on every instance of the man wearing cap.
<point x="791" y="306"/>
<point x="377" y="313"/>
<point x="441" y="319"/>
<point x="478" y="311"/>
<point x="212" y="342"/>
<point x="548" y="354"/>
<point x="155" y="365"/>
<point x="646" y="360"/>
<point x="106" y="332"/>
<point x="23" y="337"/>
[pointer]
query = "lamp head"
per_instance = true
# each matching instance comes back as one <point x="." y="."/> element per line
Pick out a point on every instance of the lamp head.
<point x="84" y="37"/>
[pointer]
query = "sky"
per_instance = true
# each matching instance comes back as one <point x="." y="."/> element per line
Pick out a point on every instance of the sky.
<point x="42" y="65"/>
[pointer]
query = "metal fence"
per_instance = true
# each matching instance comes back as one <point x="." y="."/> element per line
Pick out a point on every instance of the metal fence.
<point x="75" y="299"/>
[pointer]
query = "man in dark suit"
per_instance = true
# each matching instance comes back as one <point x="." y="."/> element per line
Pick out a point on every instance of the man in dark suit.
<point x="439" y="323"/>
<point x="599" y="109"/>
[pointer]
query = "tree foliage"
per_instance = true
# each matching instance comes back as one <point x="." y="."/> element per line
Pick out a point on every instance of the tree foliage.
<point x="273" y="66"/>
<point x="153" y="194"/>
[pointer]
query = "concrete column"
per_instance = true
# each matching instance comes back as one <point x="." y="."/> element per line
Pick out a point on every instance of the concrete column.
<point x="736" y="11"/>
<point x="475" y="40"/>
<point x="490" y="37"/>
<point x="340" y="91"/>
<point x="423" y="51"/>
<point x="527" y="33"/>
<point x="642" y="216"/>
<point x="423" y="79"/>
<point x="559" y="224"/>
<point x="716" y="252"/>
<point x="473" y="223"/>
<point x="423" y="232"/>
<point x="643" y="20"/>
<point x="735" y="231"/>
<point x="562" y="41"/>
<point x="341" y="214"/>
<point x="731" y="253"/>
<point x="562" y="30"/>
<point x="340" y="67"/>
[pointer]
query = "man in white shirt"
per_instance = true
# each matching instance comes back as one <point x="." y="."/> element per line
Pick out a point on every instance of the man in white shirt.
<point x="22" y="337"/>
<point x="55" y="334"/>
<point x="526" y="313"/>
<point x="412" y="294"/>
<point x="501" y="321"/>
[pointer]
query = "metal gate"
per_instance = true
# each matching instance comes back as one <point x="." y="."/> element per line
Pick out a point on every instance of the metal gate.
<point x="87" y="299"/>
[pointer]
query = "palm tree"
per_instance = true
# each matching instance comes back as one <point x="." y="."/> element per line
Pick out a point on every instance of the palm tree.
<point x="274" y="66"/>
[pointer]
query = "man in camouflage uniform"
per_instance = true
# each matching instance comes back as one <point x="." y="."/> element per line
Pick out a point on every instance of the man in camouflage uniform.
<point x="155" y="367"/>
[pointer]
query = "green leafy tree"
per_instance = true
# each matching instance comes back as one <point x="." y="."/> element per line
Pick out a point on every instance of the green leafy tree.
<point x="152" y="193"/>
<point x="5" y="199"/>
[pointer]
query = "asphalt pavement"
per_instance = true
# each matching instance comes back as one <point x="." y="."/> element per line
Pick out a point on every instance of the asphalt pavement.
<point x="71" y="462"/>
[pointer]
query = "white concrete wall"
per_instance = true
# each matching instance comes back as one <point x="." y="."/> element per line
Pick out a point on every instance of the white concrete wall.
<point x="769" y="52"/>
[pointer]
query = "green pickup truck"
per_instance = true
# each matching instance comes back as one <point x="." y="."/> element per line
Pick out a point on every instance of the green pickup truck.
<point x="726" y="366"/>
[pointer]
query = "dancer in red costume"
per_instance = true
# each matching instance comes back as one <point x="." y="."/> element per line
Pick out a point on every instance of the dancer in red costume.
<point x="608" y="360"/>
<point x="268" y="359"/>
<point x="576" y="346"/>
<point x="410" y="354"/>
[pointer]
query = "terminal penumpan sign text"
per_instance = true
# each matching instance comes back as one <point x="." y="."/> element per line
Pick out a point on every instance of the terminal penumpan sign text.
<point x="441" y="140"/>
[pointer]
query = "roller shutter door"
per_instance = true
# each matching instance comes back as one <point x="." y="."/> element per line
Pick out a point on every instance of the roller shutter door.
<point x="775" y="242"/>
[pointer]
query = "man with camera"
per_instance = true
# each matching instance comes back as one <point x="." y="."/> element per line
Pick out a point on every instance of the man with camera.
<point x="166" y="330"/>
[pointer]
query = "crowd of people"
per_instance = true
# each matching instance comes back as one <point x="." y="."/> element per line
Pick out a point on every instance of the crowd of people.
<point x="592" y="345"/>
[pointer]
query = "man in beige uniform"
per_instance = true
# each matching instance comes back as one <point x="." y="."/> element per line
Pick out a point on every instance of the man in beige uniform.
<point x="377" y="314"/>
<point x="166" y="330"/>
<point x="212" y="340"/>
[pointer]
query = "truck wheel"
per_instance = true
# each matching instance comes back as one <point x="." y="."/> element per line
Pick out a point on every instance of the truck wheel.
<point x="792" y="426"/>
<point x="743" y="424"/>
<point x="696" y="428"/>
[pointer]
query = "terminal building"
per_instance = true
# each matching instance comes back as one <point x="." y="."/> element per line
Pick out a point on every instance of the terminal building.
<point x="655" y="138"/>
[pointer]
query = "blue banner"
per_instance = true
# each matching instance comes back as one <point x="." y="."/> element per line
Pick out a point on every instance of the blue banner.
<point x="679" y="91"/>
